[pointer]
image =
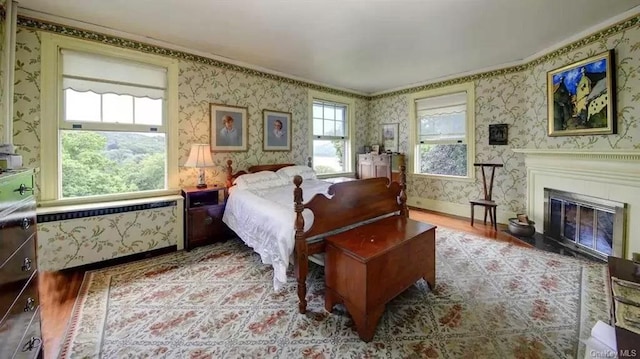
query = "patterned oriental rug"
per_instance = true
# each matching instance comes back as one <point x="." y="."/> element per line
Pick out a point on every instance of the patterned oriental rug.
<point x="492" y="300"/>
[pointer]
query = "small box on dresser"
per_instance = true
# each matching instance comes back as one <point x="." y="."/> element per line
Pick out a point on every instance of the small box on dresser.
<point x="203" y="210"/>
<point x="19" y="303"/>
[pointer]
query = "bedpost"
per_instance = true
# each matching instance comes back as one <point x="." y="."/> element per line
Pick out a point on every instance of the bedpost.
<point x="301" y="264"/>
<point x="229" y="174"/>
<point x="404" y="211"/>
<point x="309" y="163"/>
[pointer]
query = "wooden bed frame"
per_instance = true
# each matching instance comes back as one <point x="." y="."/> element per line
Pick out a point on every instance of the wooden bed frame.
<point x="352" y="203"/>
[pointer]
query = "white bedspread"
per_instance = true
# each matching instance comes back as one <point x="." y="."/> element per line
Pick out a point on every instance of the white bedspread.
<point x="264" y="220"/>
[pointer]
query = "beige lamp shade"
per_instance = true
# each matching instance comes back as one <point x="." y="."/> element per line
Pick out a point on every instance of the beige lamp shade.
<point x="200" y="156"/>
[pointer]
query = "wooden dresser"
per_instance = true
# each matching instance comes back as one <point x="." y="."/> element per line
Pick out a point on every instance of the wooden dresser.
<point x="382" y="165"/>
<point x="19" y="304"/>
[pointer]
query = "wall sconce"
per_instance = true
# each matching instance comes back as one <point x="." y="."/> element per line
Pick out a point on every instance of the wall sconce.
<point x="200" y="157"/>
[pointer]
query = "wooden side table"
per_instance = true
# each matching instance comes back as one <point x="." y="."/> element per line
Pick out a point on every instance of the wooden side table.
<point x="203" y="210"/>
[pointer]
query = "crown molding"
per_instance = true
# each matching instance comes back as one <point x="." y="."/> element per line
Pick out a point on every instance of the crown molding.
<point x="45" y="22"/>
<point x="608" y="28"/>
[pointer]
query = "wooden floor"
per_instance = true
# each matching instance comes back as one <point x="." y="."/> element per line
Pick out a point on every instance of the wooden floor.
<point x="58" y="290"/>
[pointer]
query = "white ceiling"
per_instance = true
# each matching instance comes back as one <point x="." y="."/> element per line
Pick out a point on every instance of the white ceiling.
<point x="364" y="45"/>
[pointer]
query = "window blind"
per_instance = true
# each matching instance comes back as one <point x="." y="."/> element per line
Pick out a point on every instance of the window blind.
<point x="105" y="74"/>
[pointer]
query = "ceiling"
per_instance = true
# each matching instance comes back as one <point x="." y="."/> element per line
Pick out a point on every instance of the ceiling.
<point x="367" y="46"/>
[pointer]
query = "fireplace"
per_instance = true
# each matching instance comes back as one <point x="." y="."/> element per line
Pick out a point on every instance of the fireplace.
<point x="610" y="175"/>
<point x="584" y="223"/>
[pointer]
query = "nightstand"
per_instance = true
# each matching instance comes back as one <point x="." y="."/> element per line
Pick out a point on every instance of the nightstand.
<point x="203" y="210"/>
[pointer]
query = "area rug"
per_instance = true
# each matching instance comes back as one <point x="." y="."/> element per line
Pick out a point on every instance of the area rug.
<point x="492" y="300"/>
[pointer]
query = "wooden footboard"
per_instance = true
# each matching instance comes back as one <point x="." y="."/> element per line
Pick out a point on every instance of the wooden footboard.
<point x="351" y="203"/>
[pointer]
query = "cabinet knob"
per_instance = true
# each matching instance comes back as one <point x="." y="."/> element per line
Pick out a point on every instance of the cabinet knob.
<point x="31" y="344"/>
<point x="26" y="223"/>
<point x="31" y="305"/>
<point x="26" y="265"/>
<point x="208" y="220"/>
<point x="23" y="189"/>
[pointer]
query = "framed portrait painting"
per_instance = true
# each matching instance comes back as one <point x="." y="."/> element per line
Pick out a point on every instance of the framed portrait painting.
<point x="228" y="128"/>
<point x="582" y="97"/>
<point x="277" y="130"/>
<point x="390" y="136"/>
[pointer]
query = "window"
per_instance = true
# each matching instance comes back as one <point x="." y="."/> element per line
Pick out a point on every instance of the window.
<point x="112" y="133"/>
<point x="331" y="145"/>
<point x="443" y="121"/>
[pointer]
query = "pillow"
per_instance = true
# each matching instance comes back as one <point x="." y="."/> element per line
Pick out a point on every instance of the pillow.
<point x="303" y="171"/>
<point x="260" y="180"/>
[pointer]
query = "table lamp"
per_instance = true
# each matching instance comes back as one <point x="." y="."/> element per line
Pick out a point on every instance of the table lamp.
<point x="200" y="157"/>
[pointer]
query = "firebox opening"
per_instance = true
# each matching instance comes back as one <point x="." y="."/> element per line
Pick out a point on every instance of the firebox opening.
<point x="587" y="224"/>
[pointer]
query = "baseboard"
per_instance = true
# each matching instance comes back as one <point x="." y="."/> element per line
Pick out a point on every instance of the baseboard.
<point x="456" y="209"/>
<point x="123" y="260"/>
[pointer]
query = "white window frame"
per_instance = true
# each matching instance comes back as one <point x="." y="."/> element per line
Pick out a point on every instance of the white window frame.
<point x="349" y="138"/>
<point x="414" y="143"/>
<point x="52" y="108"/>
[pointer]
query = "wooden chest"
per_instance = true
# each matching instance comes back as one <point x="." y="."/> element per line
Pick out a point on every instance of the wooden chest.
<point x="369" y="265"/>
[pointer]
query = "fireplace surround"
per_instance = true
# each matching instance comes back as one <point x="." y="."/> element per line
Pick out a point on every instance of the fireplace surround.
<point x="611" y="175"/>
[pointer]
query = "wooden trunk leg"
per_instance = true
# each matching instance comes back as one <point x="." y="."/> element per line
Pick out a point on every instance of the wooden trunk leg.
<point x="329" y="300"/>
<point x="430" y="278"/>
<point x="366" y="323"/>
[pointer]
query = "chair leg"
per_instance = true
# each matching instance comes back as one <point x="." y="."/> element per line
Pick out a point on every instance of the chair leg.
<point x="485" y="215"/>
<point x="472" y="215"/>
<point x="495" y="219"/>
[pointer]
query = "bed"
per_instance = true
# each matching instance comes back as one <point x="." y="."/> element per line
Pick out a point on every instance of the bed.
<point x="274" y="219"/>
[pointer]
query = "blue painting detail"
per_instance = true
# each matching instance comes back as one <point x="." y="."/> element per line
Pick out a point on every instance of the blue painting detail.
<point x="572" y="77"/>
<point x="581" y="97"/>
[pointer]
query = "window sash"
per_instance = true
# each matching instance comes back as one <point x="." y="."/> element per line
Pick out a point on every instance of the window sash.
<point x="103" y="125"/>
<point x="332" y="120"/>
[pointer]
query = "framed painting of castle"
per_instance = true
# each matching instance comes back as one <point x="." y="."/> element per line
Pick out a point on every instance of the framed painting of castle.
<point x="581" y="97"/>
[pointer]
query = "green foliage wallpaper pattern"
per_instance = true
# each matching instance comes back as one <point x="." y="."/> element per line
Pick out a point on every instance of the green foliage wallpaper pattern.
<point x="519" y="100"/>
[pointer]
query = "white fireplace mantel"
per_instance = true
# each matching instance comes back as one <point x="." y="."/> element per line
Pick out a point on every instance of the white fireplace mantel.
<point x="607" y="174"/>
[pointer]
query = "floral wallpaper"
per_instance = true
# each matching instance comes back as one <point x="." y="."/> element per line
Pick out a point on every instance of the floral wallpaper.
<point x="514" y="95"/>
<point x="199" y="85"/>
<point x="517" y="96"/>
<point x="76" y="242"/>
<point x="202" y="84"/>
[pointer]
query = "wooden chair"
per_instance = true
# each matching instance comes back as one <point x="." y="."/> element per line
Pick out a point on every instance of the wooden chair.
<point x="487" y="202"/>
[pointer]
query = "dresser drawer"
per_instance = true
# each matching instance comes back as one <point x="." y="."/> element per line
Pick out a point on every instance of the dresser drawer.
<point x="15" y="188"/>
<point x="20" y="266"/>
<point x="17" y="305"/>
<point x="25" y="344"/>
<point x="31" y="342"/>
<point x="16" y="228"/>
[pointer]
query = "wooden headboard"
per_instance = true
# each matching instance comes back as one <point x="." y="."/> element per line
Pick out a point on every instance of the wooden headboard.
<point x="252" y="169"/>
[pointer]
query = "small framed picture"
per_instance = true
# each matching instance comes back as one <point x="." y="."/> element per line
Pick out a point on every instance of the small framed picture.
<point x="228" y="128"/>
<point x="375" y="149"/>
<point x="390" y="136"/>
<point x="499" y="134"/>
<point x="277" y="130"/>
